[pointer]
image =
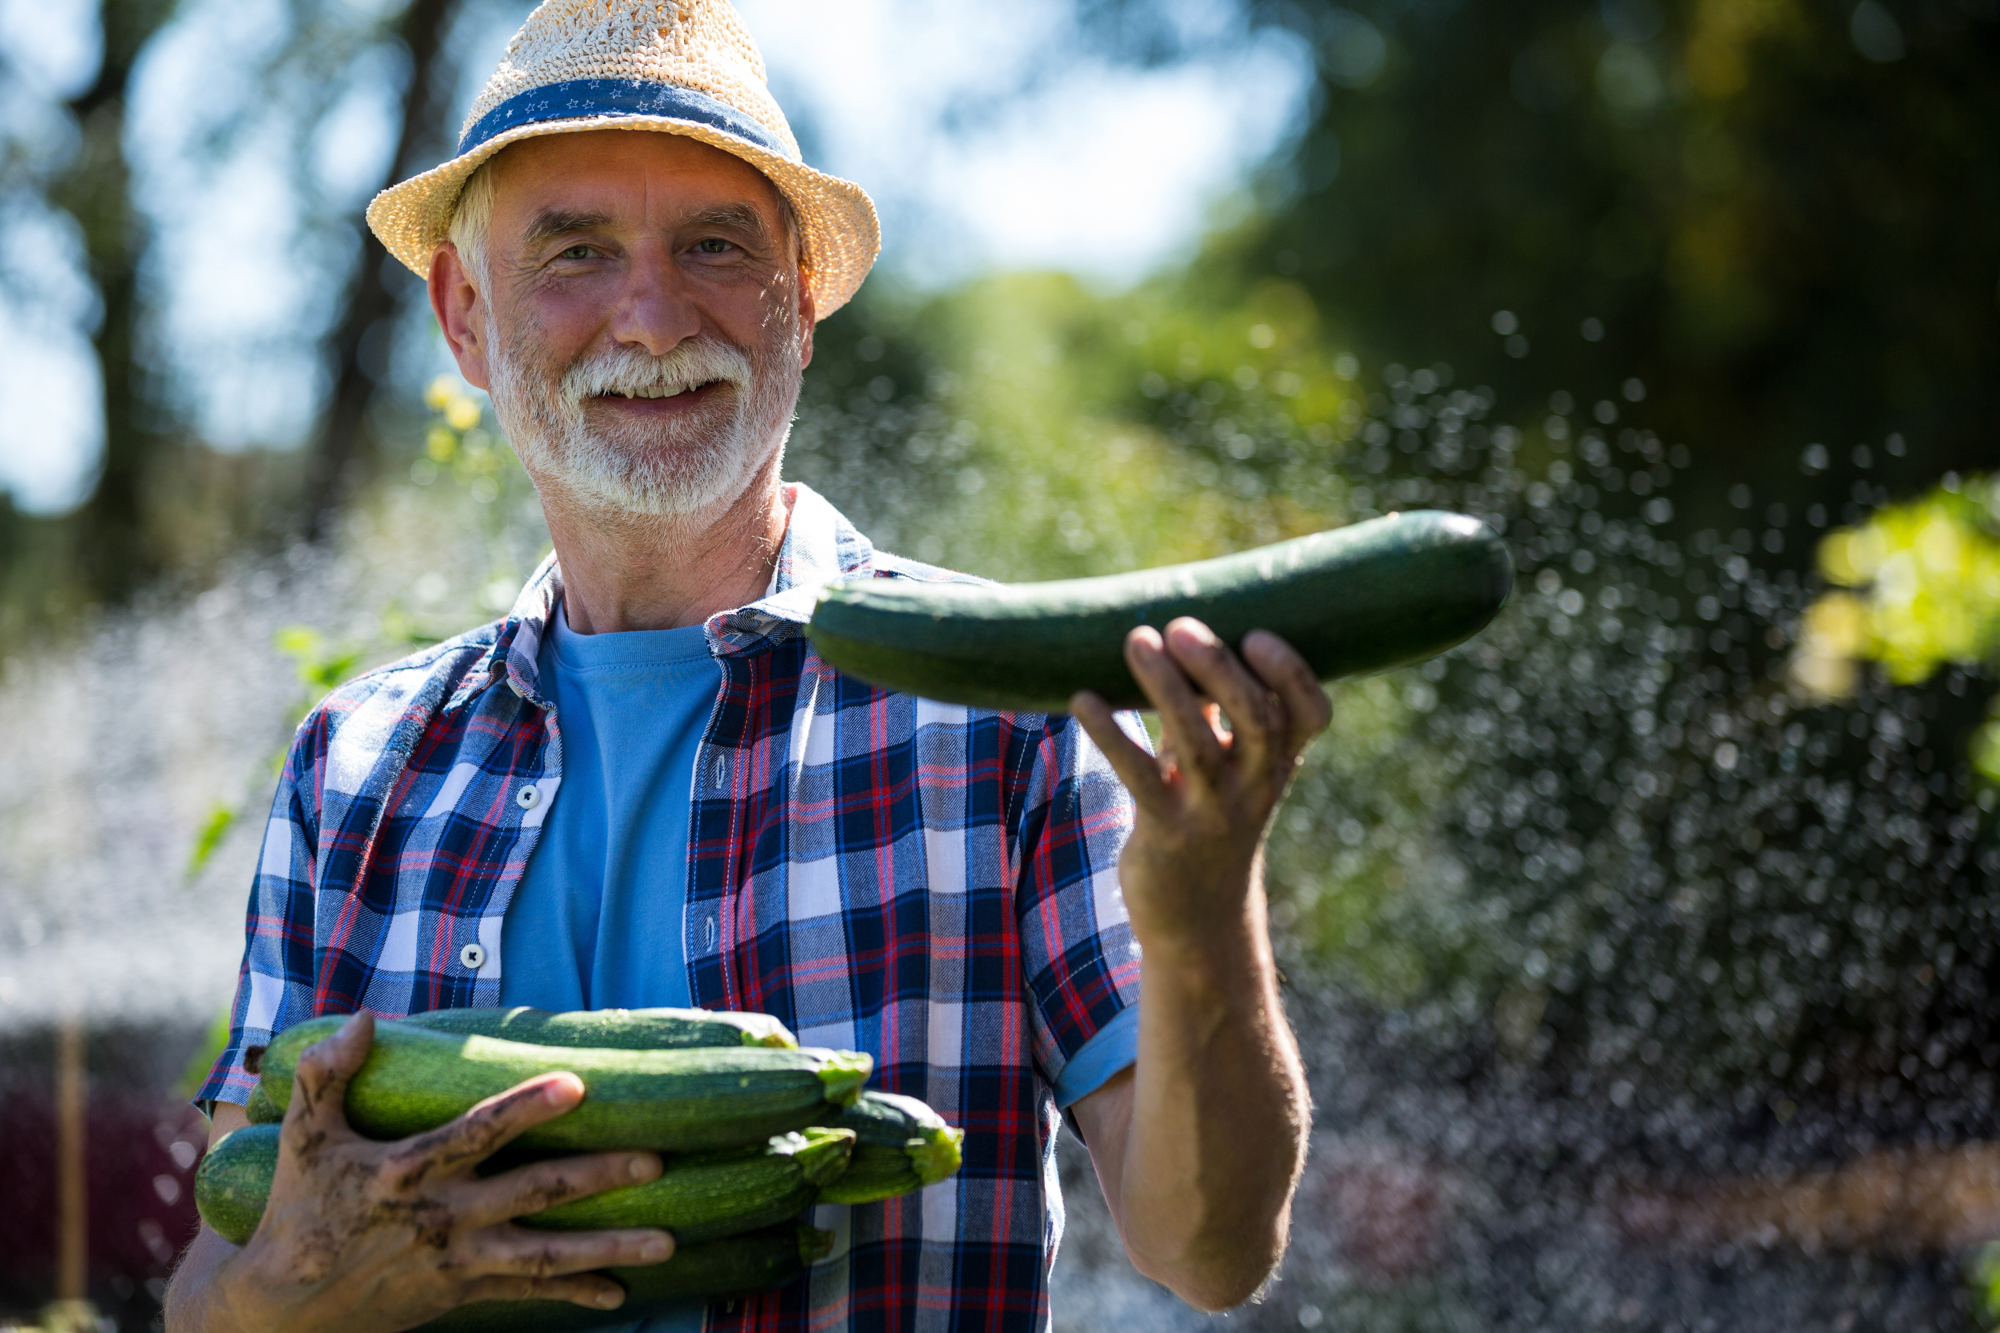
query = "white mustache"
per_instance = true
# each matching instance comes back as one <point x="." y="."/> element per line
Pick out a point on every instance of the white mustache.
<point x="631" y="373"/>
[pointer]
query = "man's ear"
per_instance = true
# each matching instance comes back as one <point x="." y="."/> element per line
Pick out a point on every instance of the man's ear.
<point x="808" y="315"/>
<point x="456" y="302"/>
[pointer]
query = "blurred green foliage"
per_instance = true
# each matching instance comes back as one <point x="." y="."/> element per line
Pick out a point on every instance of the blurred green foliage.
<point x="1916" y="587"/>
<point x="1765" y="211"/>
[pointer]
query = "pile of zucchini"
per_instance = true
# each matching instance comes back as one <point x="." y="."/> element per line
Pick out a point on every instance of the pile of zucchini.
<point x="754" y="1128"/>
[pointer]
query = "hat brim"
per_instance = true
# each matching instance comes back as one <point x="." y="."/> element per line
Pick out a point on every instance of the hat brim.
<point x="840" y="231"/>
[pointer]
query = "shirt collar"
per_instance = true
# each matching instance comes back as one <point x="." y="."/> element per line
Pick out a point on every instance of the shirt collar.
<point x="820" y="547"/>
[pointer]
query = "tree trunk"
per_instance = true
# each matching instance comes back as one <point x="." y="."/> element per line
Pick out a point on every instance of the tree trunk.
<point x="343" y="452"/>
<point x="112" y="551"/>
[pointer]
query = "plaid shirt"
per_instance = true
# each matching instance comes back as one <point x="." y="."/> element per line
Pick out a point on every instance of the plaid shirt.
<point x="931" y="884"/>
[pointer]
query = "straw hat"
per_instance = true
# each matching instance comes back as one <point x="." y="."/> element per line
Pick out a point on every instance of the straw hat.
<point x="677" y="66"/>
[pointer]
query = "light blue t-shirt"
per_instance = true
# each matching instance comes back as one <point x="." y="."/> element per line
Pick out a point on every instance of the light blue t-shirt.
<point x="596" y="920"/>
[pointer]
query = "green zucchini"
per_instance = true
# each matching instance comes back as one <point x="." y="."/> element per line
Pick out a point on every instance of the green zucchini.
<point x="671" y="1101"/>
<point x="900" y="1145"/>
<point x="607" y="1029"/>
<point x="259" y="1108"/>
<point x="233" y="1182"/>
<point x="699" y="1197"/>
<point x="738" y="1266"/>
<point x="1361" y="598"/>
<point x="612" y="1029"/>
<point x="707" y="1196"/>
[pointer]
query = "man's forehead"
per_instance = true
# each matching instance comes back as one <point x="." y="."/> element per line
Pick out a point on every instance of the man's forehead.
<point x="605" y="175"/>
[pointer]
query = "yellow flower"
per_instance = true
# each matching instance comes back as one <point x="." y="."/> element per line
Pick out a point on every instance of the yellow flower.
<point x="462" y="412"/>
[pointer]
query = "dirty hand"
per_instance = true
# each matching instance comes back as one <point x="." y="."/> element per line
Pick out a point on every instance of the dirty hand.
<point x="1205" y="801"/>
<point x="367" y="1237"/>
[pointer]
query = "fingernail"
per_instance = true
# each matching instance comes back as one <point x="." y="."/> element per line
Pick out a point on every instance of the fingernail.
<point x="610" y="1300"/>
<point x="643" y="1167"/>
<point x="654" y="1250"/>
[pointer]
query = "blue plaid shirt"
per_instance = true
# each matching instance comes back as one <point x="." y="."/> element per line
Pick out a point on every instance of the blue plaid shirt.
<point x="932" y="884"/>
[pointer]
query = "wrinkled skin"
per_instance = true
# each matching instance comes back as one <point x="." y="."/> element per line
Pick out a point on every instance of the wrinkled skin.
<point x="367" y="1237"/>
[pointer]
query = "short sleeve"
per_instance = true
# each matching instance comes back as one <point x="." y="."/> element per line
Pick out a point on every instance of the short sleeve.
<point x="1081" y="962"/>
<point x="274" y="987"/>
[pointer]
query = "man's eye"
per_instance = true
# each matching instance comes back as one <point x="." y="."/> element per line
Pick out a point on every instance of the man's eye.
<point x="713" y="245"/>
<point x="576" y="252"/>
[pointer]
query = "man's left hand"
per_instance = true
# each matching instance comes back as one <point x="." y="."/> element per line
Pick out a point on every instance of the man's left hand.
<point x="1206" y="799"/>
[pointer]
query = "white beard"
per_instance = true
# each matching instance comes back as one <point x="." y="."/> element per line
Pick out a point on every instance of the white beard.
<point x="672" y="470"/>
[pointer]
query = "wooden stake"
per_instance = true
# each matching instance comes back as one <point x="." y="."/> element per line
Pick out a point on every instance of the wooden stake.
<point x="72" y="1198"/>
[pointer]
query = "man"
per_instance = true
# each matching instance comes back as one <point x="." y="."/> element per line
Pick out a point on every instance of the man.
<point x="643" y="787"/>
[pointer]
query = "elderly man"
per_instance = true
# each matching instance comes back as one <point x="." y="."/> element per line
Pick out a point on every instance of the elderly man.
<point x="642" y="787"/>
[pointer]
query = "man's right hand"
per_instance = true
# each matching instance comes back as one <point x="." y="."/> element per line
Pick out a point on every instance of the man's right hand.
<point x="367" y="1237"/>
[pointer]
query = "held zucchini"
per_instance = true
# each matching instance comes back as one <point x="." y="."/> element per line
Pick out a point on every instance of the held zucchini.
<point x="259" y="1108"/>
<point x="900" y="1145"/>
<point x="1362" y="598"/>
<point x="738" y="1266"/>
<point x="612" y="1029"/>
<point x="233" y="1182"/>
<point x="698" y="1198"/>
<point x="711" y="1195"/>
<point x="671" y="1101"/>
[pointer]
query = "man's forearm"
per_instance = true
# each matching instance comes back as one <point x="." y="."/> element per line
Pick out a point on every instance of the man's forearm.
<point x="1219" y="1117"/>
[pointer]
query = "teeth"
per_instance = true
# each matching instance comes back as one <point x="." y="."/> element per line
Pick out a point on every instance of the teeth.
<point x="653" y="392"/>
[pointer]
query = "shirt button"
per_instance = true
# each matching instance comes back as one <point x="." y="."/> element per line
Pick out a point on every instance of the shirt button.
<point x="528" y="796"/>
<point x="473" y="956"/>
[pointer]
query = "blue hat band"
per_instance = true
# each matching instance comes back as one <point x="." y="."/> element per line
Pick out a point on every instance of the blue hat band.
<point x="578" y="99"/>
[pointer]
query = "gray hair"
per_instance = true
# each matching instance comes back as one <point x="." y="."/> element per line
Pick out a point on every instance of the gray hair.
<point x="472" y="221"/>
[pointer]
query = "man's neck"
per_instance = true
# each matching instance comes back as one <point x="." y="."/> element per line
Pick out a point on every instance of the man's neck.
<point x="639" y="572"/>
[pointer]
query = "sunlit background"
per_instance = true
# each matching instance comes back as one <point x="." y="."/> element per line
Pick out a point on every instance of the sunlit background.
<point x="1643" y="948"/>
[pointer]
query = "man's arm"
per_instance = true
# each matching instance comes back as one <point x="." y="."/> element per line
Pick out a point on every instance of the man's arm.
<point x="1199" y="1145"/>
<point x="366" y="1237"/>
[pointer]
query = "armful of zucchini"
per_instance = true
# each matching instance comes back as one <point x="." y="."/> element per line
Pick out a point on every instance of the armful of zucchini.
<point x="1351" y="600"/>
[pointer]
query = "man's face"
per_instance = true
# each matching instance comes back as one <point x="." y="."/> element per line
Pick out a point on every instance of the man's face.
<point x="641" y="321"/>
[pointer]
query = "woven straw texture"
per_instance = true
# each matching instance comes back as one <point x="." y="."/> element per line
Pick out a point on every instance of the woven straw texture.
<point x="696" y="44"/>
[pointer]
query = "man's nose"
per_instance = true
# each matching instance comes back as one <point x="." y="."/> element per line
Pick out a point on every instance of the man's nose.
<point x="655" y="308"/>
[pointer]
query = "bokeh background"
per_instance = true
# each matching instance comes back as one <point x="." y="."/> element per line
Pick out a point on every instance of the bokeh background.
<point x="1643" y="949"/>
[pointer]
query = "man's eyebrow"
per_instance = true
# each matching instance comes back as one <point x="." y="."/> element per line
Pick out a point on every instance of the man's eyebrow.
<point x="551" y="223"/>
<point x="736" y="217"/>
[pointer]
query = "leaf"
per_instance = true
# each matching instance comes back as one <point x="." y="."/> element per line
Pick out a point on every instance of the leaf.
<point x="213" y="830"/>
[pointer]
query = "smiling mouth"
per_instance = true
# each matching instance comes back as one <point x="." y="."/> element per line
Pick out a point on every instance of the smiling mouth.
<point x="657" y="392"/>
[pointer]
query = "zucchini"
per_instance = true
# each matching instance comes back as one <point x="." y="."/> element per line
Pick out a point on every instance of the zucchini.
<point x="670" y="1101"/>
<point x="707" y="1196"/>
<point x="738" y="1266"/>
<point x="607" y="1029"/>
<point x="259" y="1108"/>
<point x="1362" y="598"/>
<point x="698" y="1197"/>
<point x="233" y="1182"/>
<point x="612" y="1029"/>
<point x="900" y="1145"/>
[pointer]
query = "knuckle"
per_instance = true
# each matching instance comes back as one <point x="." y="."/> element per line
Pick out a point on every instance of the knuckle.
<point x="404" y="1170"/>
<point x="545" y="1261"/>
